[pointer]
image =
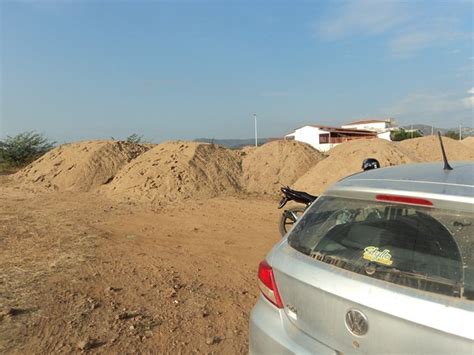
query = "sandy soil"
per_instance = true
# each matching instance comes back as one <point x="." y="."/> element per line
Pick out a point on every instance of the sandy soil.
<point x="275" y="164"/>
<point x="83" y="273"/>
<point x="178" y="170"/>
<point x="469" y="142"/>
<point x="91" y="259"/>
<point x="346" y="159"/>
<point x="428" y="149"/>
<point x="80" y="166"/>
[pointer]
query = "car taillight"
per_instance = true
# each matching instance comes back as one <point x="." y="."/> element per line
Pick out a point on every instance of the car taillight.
<point x="267" y="284"/>
<point x="405" y="200"/>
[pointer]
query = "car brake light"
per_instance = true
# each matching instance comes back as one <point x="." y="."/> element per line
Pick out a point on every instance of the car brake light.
<point x="404" y="199"/>
<point x="267" y="284"/>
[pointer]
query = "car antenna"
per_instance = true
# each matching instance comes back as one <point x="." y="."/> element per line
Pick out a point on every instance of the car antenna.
<point x="446" y="164"/>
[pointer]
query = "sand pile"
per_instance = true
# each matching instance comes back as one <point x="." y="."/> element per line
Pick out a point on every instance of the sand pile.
<point x="277" y="163"/>
<point x="178" y="170"/>
<point x="80" y="166"/>
<point x="469" y="142"/>
<point x="346" y="159"/>
<point x="248" y="149"/>
<point x="428" y="149"/>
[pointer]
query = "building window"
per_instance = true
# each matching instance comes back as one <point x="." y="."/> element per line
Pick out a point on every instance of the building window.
<point x="324" y="138"/>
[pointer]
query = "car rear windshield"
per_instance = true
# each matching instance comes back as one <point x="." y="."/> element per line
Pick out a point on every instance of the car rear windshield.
<point x="423" y="248"/>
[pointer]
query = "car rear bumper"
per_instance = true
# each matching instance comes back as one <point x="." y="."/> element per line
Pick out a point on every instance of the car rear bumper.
<point x="271" y="332"/>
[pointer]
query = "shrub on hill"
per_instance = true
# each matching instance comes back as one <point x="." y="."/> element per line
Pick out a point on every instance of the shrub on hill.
<point x="24" y="148"/>
<point x="401" y="135"/>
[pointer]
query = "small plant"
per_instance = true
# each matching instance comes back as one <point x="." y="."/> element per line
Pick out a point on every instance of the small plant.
<point x="452" y="135"/>
<point x="135" y="138"/>
<point x="24" y="148"/>
<point x="401" y="135"/>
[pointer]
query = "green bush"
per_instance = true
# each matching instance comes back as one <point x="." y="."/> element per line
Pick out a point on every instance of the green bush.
<point x="452" y="135"/>
<point x="135" y="138"/>
<point x="23" y="148"/>
<point x="401" y="135"/>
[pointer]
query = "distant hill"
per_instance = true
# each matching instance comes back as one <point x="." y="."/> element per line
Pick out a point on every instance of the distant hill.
<point x="233" y="143"/>
<point x="426" y="130"/>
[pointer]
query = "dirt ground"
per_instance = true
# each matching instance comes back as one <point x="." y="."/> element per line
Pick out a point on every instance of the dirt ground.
<point x="80" y="272"/>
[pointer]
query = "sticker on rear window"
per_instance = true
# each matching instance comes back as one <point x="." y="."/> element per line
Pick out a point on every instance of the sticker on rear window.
<point x="379" y="256"/>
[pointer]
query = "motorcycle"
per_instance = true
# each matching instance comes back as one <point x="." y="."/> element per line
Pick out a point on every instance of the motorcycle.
<point x="291" y="215"/>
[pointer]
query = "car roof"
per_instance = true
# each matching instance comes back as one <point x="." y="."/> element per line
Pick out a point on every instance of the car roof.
<point x="462" y="173"/>
<point x="426" y="180"/>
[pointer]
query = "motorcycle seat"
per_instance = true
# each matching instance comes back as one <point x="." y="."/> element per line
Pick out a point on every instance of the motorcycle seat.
<point x="298" y="196"/>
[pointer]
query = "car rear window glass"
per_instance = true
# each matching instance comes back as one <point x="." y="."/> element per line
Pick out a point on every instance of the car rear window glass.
<point x="423" y="248"/>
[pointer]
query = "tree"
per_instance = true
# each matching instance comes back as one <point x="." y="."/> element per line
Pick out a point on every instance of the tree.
<point x="452" y="135"/>
<point x="135" y="138"/>
<point x="24" y="148"/>
<point x="401" y="135"/>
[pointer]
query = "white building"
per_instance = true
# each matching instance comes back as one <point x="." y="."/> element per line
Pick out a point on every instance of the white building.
<point x="324" y="138"/>
<point x="382" y="127"/>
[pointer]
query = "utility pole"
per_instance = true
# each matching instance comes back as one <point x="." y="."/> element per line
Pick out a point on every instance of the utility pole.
<point x="460" y="132"/>
<point x="411" y="131"/>
<point x="256" y="139"/>
<point x="432" y="130"/>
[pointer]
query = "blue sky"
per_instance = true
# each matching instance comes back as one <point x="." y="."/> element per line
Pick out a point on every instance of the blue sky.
<point x="185" y="69"/>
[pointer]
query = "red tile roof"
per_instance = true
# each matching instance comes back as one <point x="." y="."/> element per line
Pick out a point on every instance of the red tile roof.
<point x="387" y="120"/>
<point x="342" y="130"/>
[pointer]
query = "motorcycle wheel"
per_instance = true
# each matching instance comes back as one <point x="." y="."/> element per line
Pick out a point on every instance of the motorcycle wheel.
<point x="288" y="218"/>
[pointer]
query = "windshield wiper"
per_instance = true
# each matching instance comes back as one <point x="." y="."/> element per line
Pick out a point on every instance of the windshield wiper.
<point x="328" y="258"/>
<point x="372" y="268"/>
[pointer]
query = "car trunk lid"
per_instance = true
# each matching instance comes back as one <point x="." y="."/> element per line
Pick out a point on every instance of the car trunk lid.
<point x="320" y="300"/>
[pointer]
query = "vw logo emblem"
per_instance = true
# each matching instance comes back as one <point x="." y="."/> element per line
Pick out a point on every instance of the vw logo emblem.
<point x="357" y="322"/>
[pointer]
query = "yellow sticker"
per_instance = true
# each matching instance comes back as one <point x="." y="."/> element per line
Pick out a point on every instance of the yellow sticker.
<point x="379" y="256"/>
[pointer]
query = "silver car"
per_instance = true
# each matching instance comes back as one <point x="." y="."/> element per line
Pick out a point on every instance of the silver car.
<point x="381" y="263"/>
